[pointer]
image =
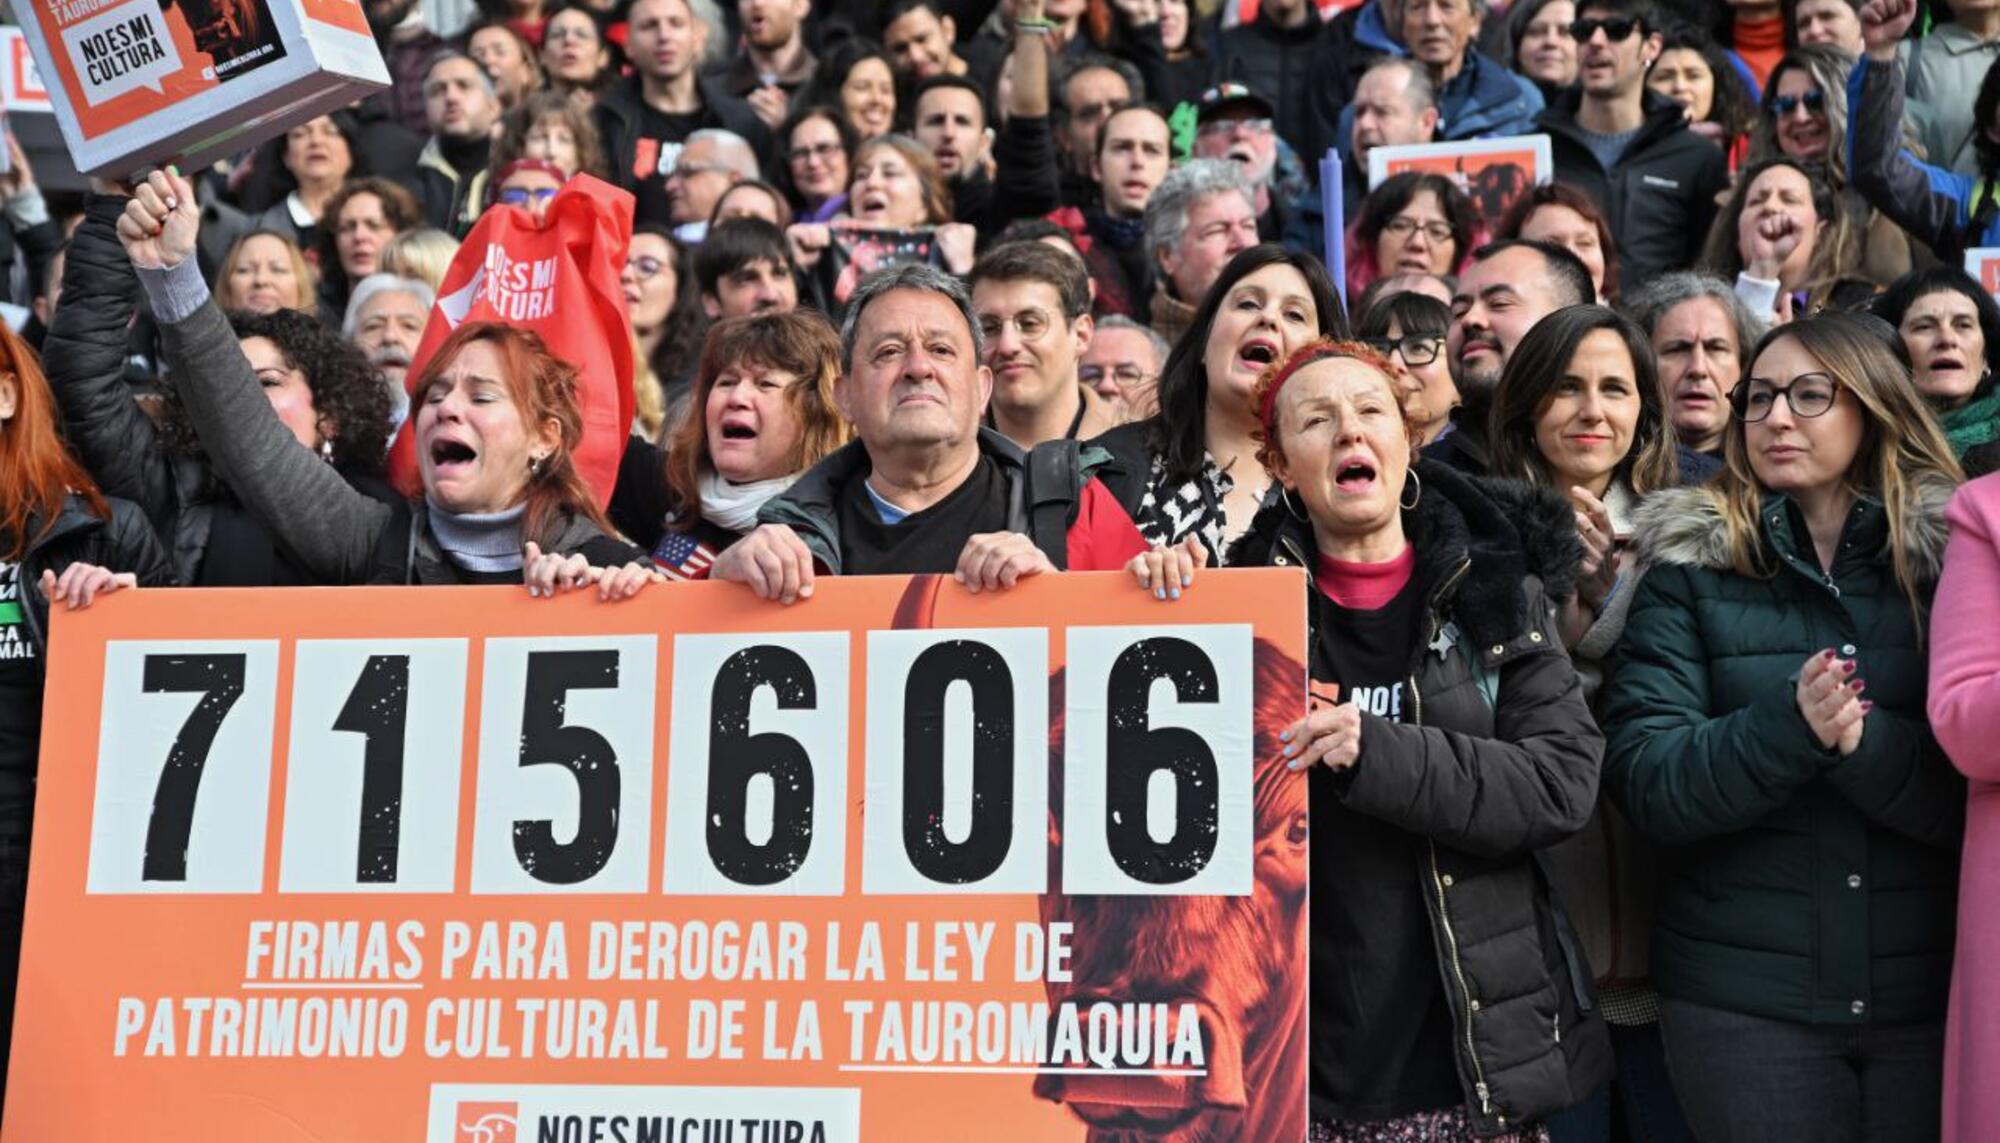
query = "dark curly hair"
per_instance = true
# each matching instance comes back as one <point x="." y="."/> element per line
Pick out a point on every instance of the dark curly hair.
<point x="348" y="394"/>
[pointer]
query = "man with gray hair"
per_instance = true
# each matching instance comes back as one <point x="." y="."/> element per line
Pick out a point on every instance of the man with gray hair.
<point x="1701" y="334"/>
<point x="712" y="160"/>
<point x="385" y="317"/>
<point x="1123" y="364"/>
<point x="923" y="487"/>
<point x="1199" y="217"/>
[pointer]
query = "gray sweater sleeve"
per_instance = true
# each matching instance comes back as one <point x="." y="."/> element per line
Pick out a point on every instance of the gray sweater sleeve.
<point x="328" y="527"/>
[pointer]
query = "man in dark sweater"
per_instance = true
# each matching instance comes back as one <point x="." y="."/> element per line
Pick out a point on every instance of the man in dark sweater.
<point x="461" y="106"/>
<point x="1631" y="148"/>
<point x="924" y="488"/>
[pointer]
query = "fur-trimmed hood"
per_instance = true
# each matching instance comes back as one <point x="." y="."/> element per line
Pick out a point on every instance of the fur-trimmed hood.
<point x="1507" y="530"/>
<point x="1684" y="526"/>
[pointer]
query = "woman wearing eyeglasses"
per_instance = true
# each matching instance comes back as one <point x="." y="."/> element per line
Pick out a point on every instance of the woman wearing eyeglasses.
<point x="1408" y="330"/>
<point x="667" y="319"/>
<point x="531" y="184"/>
<point x="1805" y="118"/>
<point x="1413" y="223"/>
<point x="1766" y="726"/>
<point x="815" y="146"/>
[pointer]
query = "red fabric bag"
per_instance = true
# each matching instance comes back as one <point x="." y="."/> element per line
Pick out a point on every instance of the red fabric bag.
<point x="558" y="278"/>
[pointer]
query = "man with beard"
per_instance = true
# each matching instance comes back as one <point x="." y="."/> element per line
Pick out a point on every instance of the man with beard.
<point x="994" y="180"/>
<point x="774" y="63"/>
<point x="744" y="267"/>
<point x="385" y="317"/>
<point x="1629" y="147"/>
<point x="1508" y="287"/>
<point x="461" y="106"/>
<point x="1233" y="122"/>
<point x="646" y="118"/>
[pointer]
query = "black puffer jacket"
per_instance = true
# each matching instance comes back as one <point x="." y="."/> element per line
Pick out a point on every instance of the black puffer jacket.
<point x="1276" y="63"/>
<point x="1659" y="198"/>
<point x="212" y="540"/>
<point x="1500" y="761"/>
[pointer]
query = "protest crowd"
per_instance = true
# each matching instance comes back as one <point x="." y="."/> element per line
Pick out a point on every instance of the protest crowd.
<point x="1654" y="727"/>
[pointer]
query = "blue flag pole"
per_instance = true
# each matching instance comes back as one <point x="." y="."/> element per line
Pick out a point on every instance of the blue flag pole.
<point x="1333" y="210"/>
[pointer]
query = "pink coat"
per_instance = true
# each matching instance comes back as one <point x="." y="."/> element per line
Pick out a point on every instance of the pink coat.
<point x="1965" y="714"/>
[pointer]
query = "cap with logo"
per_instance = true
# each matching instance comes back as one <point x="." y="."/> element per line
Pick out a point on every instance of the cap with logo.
<point x="1225" y="96"/>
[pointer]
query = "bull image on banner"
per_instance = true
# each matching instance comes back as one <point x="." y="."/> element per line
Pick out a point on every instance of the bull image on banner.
<point x="898" y="862"/>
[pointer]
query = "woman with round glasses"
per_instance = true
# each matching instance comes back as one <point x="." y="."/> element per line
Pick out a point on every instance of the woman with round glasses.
<point x="1415" y="222"/>
<point x="1765" y="718"/>
<point x="530" y="184"/>
<point x="815" y="146"/>
<point x="1408" y="330"/>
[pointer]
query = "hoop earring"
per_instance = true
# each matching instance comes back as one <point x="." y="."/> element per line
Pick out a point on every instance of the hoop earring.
<point x="1285" y="496"/>
<point x="1416" y="482"/>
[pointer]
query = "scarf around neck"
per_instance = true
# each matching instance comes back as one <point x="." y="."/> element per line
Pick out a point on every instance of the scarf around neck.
<point x="479" y="541"/>
<point x="735" y="506"/>
<point x="1974" y="423"/>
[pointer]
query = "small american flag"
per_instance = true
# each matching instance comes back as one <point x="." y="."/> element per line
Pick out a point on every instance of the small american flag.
<point x="680" y="556"/>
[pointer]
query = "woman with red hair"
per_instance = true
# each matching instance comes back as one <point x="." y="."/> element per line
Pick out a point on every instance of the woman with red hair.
<point x="59" y="539"/>
<point x="496" y="426"/>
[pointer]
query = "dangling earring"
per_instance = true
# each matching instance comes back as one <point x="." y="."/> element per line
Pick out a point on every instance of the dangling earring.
<point x="326" y="449"/>
<point x="1285" y="495"/>
<point x="1417" y="483"/>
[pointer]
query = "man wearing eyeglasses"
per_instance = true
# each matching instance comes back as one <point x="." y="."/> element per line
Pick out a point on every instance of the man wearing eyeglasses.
<point x="1236" y="123"/>
<point x="1629" y="147"/>
<point x="1032" y="303"/>
<point x="1123" y="364"/>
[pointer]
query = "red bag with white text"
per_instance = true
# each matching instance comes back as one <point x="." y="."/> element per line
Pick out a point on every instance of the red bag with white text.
<point x="558" y="278"/>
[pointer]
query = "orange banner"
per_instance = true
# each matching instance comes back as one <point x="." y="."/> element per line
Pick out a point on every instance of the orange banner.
<point x="898" y="862"/>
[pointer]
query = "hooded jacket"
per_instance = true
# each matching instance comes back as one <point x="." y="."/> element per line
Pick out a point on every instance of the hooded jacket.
<point x="1795" y="883"/>
<point x="1499" y="762"/>
<point x="1052" y="499"/>
<point x="1660" y="197"/>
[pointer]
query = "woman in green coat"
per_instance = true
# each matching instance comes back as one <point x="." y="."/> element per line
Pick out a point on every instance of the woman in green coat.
<point x="1765" y="724"/>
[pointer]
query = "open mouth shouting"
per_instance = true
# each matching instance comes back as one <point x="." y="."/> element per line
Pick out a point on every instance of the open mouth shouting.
<point x="1257" y="354"/>
<point x="452" y="458"/>
<point x="1354" y="475"/>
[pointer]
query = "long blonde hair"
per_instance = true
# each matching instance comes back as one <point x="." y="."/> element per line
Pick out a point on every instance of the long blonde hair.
<point x="1902" y="447"/>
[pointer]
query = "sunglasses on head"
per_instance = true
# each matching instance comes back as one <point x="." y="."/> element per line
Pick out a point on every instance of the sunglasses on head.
<point x="1814" y="101"/>
<point x="1617" y="29"/>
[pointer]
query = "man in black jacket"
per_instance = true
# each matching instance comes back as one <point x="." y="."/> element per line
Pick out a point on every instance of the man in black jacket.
<point x="646" y="118"/>
<point x="1630" y="148"/>
<point x="462" y="107"/>
<point x="994" y="179"/>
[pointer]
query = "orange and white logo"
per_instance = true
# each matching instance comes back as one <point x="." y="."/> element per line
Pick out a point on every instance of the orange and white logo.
<point x="487" y="1122"/>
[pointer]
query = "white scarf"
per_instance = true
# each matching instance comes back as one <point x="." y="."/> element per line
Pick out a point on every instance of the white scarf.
<point x="734" y="506"/>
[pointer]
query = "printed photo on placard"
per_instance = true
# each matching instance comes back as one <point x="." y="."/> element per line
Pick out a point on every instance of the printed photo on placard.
<point x="1494" y="172"/>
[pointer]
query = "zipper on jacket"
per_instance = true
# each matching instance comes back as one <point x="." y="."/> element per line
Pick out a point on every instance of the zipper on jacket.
<point x="1444" y="913"/>
<point x="1464" y="989"/>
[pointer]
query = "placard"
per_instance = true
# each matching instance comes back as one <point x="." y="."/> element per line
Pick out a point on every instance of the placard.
<point x="1983" y="263"/>
<point x="20" y="81"/>
<point x="135" y="83"/>
<point x="1494" y="172"/>
<point x="460" y="866"/>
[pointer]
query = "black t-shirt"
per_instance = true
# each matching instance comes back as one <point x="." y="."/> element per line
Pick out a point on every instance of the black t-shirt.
<point x="659" y="150"/>
<point x="1381" y="1025"/>
<point x="20" y="703"/>
<point x="926" y="541"/>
